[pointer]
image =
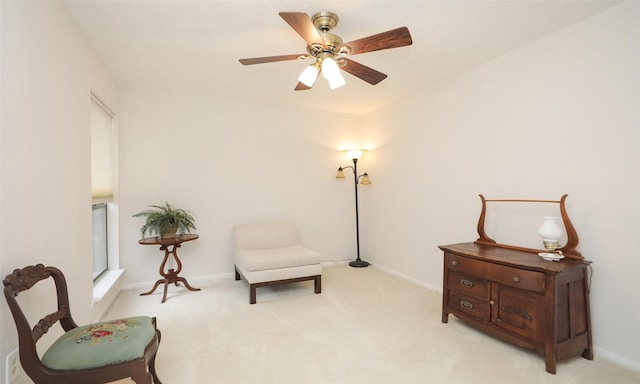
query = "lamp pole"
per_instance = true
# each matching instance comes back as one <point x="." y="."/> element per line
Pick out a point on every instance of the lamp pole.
<point x="358" y="262"/>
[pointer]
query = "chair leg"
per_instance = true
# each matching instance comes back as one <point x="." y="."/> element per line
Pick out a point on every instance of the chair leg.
<point x="252" y="293"/>
<point x="140" y="375"/>
<point x="152" y="363"/>
<point x="152" y="370"/>
<point x="237" y="275"/>
<point x="317" y="284"/>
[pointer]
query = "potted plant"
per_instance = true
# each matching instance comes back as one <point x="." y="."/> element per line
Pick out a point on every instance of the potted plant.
<point x="166" y="220"/>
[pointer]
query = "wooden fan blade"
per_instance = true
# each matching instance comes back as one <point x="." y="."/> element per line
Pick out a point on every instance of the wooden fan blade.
<point x="394" y="38"/>
<point x="363" y="72"/>
<point x="301" y="87"/>
<point x="269" y="59"/>
<point x="301" y="23"/>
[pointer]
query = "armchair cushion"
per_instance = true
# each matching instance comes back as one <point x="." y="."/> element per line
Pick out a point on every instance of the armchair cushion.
<point x="101" y="344"/>
<point x="275" y="258"/>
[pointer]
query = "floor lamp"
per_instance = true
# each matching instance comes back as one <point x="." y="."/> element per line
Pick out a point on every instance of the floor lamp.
<point x="355" y="154"/>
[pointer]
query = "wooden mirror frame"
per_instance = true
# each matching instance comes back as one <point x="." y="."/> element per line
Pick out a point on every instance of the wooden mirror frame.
<point x="568" y="250"/>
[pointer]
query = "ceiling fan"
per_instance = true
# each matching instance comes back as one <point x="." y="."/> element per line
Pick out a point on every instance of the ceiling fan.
<point x="329" y="51"/>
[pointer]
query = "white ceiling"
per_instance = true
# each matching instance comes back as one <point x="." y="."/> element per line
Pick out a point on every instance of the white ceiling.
<point x="194" y="46"/>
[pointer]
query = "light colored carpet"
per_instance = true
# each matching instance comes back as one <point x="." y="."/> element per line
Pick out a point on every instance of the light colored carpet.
<point x="367" y="326"/>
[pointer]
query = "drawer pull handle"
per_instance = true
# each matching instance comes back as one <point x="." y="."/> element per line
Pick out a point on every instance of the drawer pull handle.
<point x="466" y="304"/>
<point x="454" y="262"/>
<point x="466" y="283"/>
<point x="516" y="279"/>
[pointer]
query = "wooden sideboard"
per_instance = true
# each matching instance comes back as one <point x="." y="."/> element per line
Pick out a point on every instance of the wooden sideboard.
<point x="517" y="296"/>
<point x="514" y="294"/>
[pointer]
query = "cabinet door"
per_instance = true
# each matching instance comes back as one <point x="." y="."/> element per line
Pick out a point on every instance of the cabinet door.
<point x="518" y="311"/>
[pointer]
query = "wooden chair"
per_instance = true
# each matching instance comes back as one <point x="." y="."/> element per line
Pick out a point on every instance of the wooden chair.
<point x="91" y="354"/>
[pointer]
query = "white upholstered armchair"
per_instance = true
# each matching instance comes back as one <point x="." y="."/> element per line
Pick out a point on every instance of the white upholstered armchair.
<point x="270" y="253"/>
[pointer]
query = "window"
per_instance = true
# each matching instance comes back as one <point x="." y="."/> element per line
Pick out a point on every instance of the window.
<point x="100" y="243"/>
<point x="102" y="174"/>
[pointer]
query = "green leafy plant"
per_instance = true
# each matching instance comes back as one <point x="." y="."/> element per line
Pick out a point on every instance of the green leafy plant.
<point x="165" y="220"/>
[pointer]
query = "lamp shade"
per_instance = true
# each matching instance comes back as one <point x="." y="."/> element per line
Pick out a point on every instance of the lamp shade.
<point x="331" y="72"/>
<point x="340" y="174"/>
<point x="550" y="232"/>
<point x="365" y="179"/>
<point x="355" y="153"/>
<point x="309" y="75"/>
<point x="329" y="68"/>
<point x="337" y="81"/>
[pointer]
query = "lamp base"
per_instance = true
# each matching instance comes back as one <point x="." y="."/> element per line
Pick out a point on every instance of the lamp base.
<point x="359" y="263"/>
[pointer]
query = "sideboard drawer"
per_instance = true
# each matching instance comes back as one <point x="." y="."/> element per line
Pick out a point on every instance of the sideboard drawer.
<point x="468" y="285"/>
<point x="474" y="306"/>
<point x="518" y="278"/>
<point x="513" y="277"/>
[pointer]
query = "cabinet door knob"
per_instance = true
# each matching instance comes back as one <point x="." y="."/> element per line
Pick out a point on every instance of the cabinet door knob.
<point x="516" y="279"/>
<point x="454" y="262"/>
<point x="492" y="302"/>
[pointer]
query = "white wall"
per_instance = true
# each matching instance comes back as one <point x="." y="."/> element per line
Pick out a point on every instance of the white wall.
<point x="559" y="115"/>
<point x="431" y="154"/>
<point x="48" y="70"/>
<point x="230" y="162"/>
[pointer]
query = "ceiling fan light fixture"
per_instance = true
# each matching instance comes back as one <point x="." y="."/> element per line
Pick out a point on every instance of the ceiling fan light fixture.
<point x="337" y="81"/>
<point x="331" y="72"/>
<point x="329" y="67"/>
<point x="309" y="75"/>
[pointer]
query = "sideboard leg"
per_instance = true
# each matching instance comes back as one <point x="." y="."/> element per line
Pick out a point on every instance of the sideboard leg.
<point x="550" y="364"/>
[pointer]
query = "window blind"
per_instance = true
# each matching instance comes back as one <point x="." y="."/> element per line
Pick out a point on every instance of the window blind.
<point x="101" y="151"/>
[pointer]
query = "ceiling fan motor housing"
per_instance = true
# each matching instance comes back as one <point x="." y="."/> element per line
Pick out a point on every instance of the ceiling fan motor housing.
<point x="325" y="20"/>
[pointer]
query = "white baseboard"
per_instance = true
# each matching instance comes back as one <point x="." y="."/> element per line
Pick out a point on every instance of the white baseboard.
<point x="408" y="278"/>
<point x="616" y="359"/>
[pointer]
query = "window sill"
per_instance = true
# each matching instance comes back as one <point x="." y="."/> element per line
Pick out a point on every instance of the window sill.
<point x="105" y="283"/>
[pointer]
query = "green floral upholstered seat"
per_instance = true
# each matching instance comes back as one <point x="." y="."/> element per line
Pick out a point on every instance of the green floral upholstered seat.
<point x="100" y="344"/>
